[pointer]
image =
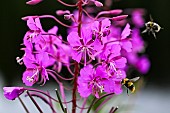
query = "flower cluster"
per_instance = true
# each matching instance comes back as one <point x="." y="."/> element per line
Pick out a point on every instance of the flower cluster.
<point x="105" y="46"/>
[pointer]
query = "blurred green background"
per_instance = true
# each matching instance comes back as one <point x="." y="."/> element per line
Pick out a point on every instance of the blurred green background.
<point x="12" y="30"/>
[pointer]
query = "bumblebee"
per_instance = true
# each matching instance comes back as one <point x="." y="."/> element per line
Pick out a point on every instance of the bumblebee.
<point x="152" y="27"/>
<point x="128" y="83"/>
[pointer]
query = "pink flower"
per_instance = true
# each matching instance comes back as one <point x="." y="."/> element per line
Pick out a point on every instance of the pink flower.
<point x="100" y="30"/>
<point x="13" y="92"/>
<point x="90" y="81"/>
<point x="125" y="43"/>
<point x="122" y="38"/>
<point x="33" y="2"/>
<point x="34" y="34"/>
<point x="143" y="64"/>
<point x="137" y="41"/>
<point x="137" y="18"/>
<point x="36" y="67"/>
<point x="81" y="46"/>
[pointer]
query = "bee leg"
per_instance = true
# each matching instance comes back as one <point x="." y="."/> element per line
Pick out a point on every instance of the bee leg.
<point x="154" y="34"/>
<point x="127" y="92"/>
<point x="144" y="31"/>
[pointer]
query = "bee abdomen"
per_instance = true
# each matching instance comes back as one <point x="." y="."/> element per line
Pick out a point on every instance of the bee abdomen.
<point x="132" y="88"/>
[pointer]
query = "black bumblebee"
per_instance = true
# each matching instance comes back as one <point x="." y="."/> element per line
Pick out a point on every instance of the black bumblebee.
<point x="128" y="83"/>
<point x="152" y="27"/>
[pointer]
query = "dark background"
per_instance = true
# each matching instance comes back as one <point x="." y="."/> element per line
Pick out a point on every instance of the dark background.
<point x="12" y="30"/>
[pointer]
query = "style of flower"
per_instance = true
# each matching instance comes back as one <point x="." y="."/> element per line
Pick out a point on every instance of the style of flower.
<point x="13" y="92"/>
<point x="91" y="81"/>
<point x="82" y="46"/>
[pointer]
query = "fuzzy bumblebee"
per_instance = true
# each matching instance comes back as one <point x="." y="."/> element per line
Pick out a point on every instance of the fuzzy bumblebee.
<point x="152" y="27"/>
<point x="128" y="83"/>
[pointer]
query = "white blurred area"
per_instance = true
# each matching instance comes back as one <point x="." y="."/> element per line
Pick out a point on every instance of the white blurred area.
<point x="148" y="100"/>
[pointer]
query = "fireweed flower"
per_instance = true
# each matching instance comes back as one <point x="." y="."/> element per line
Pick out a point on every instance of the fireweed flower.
<point x="100" y="31"/>
<point x="62" y="57"/>
<point x="34" y="34"/>
<point x="114" y="82"/>
<point x="36" y="67"/>
<point x="13" y="92"/>
<point x="91" y="81"/>
<point x="82" y="46"/>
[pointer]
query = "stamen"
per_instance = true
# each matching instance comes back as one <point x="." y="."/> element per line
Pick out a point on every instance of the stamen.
<point x="31" y="79"/>
<point x="113" y="66"/>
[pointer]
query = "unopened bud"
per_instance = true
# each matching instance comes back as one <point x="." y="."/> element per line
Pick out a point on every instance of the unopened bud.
<point x="61" y="12"/>
<point x="119" y="18"/>
<point x="115" y="12"/>
<point x="98" y="4"/>
<point x="33" y="2"/>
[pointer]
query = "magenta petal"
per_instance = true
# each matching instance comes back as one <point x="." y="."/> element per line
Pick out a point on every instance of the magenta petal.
<point x="143" y="64"/>
<point x="126" y="32"/>
<point x="27" y="75"/>
<point x="12" y="92"/>
<point x="31" y="23"/>
<point x="112" y="86"/>
<point x="83" y="89"/>
<point x="105" y="23"/>
<point x="37" y="23"/>
<point x="115" y="50"/>
<point x="86" y="35"/>
<point x="127" y="45"/>
<point x="73" y="39"/>
<point x="121" y="63"/>
<point x="77" y="56"/>
<point x="86" y="71"/>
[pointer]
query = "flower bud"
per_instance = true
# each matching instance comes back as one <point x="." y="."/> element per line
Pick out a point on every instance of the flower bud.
<point x="119" y="18"/>
<point x="33" y="2"/>
<point x="61" y="12"/>
<point x="98" y="4"/>
<point x="13" y="92"/>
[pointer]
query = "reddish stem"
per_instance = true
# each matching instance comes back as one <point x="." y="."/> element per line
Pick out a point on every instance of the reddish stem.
<point x="80" y="9"/>
<point x="75" y="87"/>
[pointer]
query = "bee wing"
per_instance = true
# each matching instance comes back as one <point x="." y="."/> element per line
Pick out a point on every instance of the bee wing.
<point x="134" y="79"/>
<point x="153" y="34"/>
